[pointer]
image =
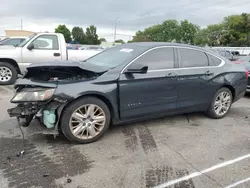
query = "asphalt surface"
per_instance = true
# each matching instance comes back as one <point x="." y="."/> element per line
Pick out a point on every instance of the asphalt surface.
<point x="145" y="154"/>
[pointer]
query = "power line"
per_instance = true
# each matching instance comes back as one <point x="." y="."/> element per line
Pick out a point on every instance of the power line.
<point x="116" y="21"/>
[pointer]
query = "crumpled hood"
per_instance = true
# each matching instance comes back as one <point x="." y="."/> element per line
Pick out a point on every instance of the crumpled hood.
<point x="59" y="72"/>
<point x="57" y="64"/>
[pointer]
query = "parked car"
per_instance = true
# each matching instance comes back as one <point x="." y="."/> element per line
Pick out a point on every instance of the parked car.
<point x="127" y="83"/>
<point x="223" y="52"/>
<point x="92" y="48"/>
<point x="245" y="61"/>
<point x="227" y="54"/>
<point x="13" y="41"/>
<point x="235" y="53"/>
<point x="35" y="49"/>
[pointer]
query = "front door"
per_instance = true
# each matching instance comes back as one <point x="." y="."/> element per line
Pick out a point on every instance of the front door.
<point x="152" y="93"/>
<point x="46" y="48"/>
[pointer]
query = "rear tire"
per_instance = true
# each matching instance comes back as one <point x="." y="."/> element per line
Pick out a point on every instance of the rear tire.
<point x="77" y="123"/>
<point x="221" y="104"/>
<point x="8" y="73"/>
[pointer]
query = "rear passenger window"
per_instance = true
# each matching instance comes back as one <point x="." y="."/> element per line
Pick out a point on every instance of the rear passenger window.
<point x="192" y="58"/>
<point x="214" y="61"/>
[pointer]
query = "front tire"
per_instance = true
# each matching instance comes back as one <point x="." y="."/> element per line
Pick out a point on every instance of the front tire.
<point x="85" y="120"/>
<point x="220" y="104"/>
<point x="8" y="73"/>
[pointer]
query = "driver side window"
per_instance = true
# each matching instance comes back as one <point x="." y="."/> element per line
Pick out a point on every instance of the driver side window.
<point x="156" y="59"/>
<point x="46" y="42"/>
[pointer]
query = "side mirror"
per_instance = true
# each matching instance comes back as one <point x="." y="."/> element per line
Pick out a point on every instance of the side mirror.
<point x="137" y="68"/>
<point x="31" y="46"/>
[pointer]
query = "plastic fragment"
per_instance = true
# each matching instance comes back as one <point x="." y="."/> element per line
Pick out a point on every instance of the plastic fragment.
<point x="20" y="153"/>
<point x="69" y="180"/>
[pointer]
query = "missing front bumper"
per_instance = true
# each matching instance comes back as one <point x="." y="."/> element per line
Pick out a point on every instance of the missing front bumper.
<point x="48" y="114"/>
<point x="34" y="123"/>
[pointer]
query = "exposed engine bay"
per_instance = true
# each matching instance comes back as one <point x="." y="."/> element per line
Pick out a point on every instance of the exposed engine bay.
<point x="51" y="74"/>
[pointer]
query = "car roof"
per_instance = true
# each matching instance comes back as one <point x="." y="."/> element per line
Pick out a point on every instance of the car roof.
<point x="149" y="45"/>
<point x="155" y="44"/>
<point x="17" y="37"/>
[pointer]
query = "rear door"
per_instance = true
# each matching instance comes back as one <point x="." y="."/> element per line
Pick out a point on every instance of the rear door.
<point x="152" y="93"/>
<point x="46" y="48"/>
<point x="194" y="79"/>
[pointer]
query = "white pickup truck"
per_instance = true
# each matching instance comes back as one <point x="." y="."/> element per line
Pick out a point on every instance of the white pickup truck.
<point x="37" y="48"/>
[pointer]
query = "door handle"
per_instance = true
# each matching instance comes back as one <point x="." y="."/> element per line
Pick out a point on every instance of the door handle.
<point x="57" y="54"/>
<point x="208" y="73"/>
<point x="171" y="75"/>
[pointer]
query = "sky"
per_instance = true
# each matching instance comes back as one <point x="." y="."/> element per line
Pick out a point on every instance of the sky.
<point x="131" y="15"/>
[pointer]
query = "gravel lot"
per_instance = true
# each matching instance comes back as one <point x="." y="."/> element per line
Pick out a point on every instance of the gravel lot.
<point x="145" y="154"/>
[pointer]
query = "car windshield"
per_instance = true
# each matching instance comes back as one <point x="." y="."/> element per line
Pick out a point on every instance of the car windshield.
<point x="2" y="41"/>
<point x="22" y="44"/>
<point x="115" y="56"/>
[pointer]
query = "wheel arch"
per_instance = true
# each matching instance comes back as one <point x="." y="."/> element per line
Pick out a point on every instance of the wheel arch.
<point x="99" y="96"/>
<point x="231" y="88"/>
<point x="12" y="62"/>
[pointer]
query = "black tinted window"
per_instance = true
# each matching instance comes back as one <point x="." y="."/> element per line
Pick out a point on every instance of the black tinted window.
<point x="214" y="61"/>
<point x="192" y="58"/>
<point x="161" y="58"/>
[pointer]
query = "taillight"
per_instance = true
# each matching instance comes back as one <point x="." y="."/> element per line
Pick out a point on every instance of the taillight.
<point x="247" y="73"/>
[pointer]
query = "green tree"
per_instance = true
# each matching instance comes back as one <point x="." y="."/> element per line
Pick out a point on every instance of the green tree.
<point x="213" y="34"/>
<point x="201" y="38"/>
<point x="65" y="31"/>
<point x="234" y="30"/>
<point x="238" y="29"/>
<point x="102" y="40"/>
<point x="154" y="33"/>
<point x="78" y="35"/>
<point x="120" y="41"/>
<point x="91" y="35"/>
<point x="168" y="31"/>
<point x="188" y="32"/>
<point x="140" y="37"/>
<point x="171" y="31"/>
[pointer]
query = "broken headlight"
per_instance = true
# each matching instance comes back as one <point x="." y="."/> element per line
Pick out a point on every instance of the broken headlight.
<point x="33" y="95"/>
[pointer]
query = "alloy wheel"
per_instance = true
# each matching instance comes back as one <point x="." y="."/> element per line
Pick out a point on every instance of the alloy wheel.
<point x="87" y="121"/>
<point x="222" y="103"/>
<point x="5" y="74"/>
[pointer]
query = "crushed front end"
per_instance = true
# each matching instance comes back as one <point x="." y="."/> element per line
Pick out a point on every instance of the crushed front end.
<point x="37" y="103"/>
<point x="37" y="96"/>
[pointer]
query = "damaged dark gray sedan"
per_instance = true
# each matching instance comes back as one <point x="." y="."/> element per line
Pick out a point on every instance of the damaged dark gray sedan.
<point x="131" y="82"/>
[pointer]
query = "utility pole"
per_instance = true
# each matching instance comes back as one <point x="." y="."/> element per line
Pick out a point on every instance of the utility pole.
<point x="21" y="24"/>
<point x="116" y="21"/>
